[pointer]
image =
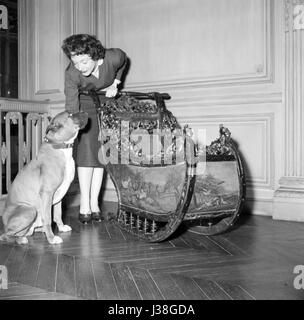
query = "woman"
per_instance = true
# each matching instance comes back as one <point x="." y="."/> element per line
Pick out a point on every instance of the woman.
<point x="91" y="66"/>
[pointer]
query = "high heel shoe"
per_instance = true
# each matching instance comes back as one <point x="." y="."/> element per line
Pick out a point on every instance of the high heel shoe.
<point x="85" y="218"/>
<point x="97" y="216"/>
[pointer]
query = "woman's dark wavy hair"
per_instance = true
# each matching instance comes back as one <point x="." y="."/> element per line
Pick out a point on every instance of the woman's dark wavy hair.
<point x="83" y="44"/>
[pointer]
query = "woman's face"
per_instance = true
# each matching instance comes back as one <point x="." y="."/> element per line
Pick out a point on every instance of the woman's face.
<point x="84" y="63"/>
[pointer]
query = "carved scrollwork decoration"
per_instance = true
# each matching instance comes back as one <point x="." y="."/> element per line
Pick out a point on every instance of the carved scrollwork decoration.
<point x="33" y="117"/>
<point x="25" y="152"/>
<point x="293" y="14"/>
<point x="221" y="146"/>
<point x="3" y="153"/>
<point x="14" y="117"/>
<point x="123" y="116"/>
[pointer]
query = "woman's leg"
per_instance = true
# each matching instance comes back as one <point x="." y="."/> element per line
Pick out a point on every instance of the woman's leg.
<point x="95" y="188"/>
<point x="85" y="180"/>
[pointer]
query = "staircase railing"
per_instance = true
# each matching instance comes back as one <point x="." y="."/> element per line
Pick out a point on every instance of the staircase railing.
<point x="22" y="126"/>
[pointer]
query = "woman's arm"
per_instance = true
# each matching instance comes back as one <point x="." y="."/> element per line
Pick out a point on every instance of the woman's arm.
<point x="119" y="61"/>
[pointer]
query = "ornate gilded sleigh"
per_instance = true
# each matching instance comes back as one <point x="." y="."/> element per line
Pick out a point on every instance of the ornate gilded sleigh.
<point x="162" y="177"/>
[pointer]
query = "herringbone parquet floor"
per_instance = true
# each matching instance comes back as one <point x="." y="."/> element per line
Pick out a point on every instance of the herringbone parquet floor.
<point x="253" y="261"/>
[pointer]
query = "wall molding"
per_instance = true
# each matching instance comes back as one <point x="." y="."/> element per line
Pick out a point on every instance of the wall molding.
<point x="26" y="29"/>
<point x="37" y="44"/>
<point x="77" y="13"/>
<point x="265" y="74"/>
<point x="22" y="47"/>
<point x="226" y="100"/>
<point x="266" y="179"/>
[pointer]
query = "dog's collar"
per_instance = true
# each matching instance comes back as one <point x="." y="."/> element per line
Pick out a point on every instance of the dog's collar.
<point x="62" y="145"/>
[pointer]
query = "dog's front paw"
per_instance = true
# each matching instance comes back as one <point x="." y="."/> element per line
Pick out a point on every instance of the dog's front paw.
<point x="55" y="240"/>
<point x="64" y="228"/>
<point x="21" y="240"/>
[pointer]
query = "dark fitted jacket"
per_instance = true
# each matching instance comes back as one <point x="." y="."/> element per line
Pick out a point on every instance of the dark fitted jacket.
<point x="112" y="68"/>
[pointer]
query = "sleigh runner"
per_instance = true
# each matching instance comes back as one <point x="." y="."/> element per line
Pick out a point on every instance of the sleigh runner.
<point x="161" y="176"/>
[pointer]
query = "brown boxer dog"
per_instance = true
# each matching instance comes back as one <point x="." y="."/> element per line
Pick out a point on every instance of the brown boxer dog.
<point x="43" y="183"/>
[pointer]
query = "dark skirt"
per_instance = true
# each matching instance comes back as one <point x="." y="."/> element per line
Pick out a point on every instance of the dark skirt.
<point x="87" y="145"/>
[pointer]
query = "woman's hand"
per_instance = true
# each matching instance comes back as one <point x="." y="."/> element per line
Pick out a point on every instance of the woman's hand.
<point x="112" y="90"/>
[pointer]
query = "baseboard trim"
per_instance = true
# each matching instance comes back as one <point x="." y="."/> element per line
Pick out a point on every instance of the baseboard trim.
<point x="259" y="207"/>
<point x="288" y="209"/>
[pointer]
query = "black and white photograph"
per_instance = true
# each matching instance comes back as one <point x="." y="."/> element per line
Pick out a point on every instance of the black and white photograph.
<point x="152" y="153"/>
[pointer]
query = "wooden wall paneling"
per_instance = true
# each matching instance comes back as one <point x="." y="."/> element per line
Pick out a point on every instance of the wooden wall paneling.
<point x="221" y="62"/>
<point x="47" y="45"/>
<point x="195" y="43"/>
<point x="85" y="13"/>
<point x="26" y="81"/>
<point x="288" y="200"/>
<point x="256" y="146"/>
<point x="43" y="26"/>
